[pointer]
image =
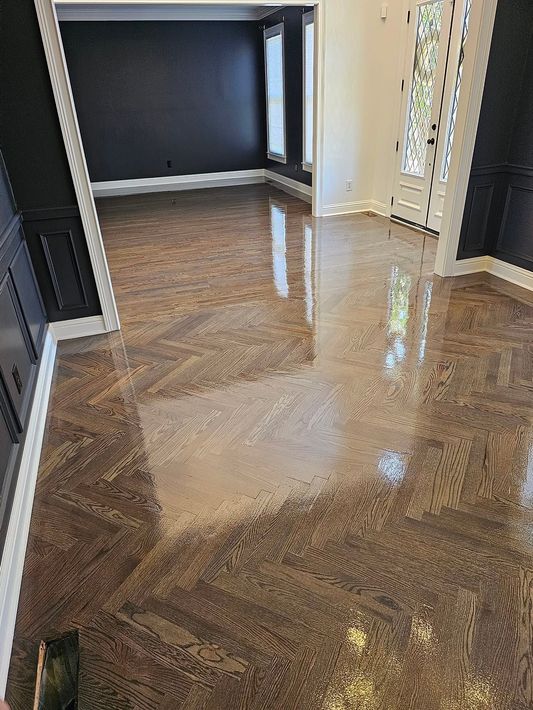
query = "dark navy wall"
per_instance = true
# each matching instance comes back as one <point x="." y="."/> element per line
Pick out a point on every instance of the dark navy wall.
<point x="292" y="18"/>
<point x="150" y="92"/>
<point x="498" y="217"/>
<point x="34" y="152"/>
<point x="29" y="128"/>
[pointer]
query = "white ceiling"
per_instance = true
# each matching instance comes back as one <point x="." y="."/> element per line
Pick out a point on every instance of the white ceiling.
<point x="105" y="11"/>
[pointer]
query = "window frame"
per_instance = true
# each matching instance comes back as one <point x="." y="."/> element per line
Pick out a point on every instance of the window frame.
<point x="268" y="33"/>
<point x="308" y="18"/>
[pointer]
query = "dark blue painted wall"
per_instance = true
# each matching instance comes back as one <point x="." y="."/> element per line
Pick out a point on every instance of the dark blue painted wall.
<point x="149" y="92"/>
<point x="192" y="93"/>
<point x="34" y="152"/>
<point x="498" y="217"/>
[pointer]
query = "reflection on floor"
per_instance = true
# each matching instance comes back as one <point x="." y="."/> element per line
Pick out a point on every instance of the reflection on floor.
<point x="301" y="476"/>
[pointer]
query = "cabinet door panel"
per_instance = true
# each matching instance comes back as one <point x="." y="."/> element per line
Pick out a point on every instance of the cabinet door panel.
<point x="8" y="452"/>
<point x="26" y="286"/>
<point x="16" y="366"/>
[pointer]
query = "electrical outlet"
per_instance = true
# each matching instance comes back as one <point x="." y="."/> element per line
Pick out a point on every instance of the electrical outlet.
<point x="349" y="185"/>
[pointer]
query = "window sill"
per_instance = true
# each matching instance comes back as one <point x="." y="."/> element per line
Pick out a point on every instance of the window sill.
<point x="307" y="167"/>
<point x="277" y="158"/>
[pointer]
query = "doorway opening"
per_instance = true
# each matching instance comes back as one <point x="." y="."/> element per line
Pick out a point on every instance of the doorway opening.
<point x="438" y="32"/>
<point x="187" y="97"/>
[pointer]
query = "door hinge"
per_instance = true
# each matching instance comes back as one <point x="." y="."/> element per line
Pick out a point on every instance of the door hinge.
<point x="397" y="145"/>
<point x="392" y="201"/>
<point x="408" y="16"/>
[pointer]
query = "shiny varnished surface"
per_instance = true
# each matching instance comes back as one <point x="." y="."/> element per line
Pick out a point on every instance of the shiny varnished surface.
<point x="300" y="478"/>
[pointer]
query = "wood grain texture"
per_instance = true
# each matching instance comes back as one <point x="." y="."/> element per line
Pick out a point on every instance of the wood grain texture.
<point x="300" y="477"/>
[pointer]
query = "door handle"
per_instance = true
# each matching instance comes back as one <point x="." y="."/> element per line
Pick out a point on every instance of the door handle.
<point x="431" y="141"/>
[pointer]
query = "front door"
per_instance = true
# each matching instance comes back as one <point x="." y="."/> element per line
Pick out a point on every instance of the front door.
<point x="420" y="184"/>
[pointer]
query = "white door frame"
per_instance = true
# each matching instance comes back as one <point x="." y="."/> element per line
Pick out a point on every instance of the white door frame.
<point x="465" y="135"/>
<point x="57" y="67"/>
<point x="469" y="108"/>
<point x="406" y="183"/>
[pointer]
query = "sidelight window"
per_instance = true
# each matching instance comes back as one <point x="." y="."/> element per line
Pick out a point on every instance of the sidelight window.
<point x="455" y="101"/>
<point x="308" y="57"/>
<point x="275" y="92"/>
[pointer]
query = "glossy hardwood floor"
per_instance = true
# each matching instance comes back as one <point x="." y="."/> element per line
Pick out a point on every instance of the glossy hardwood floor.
<point x="301" y="477"/>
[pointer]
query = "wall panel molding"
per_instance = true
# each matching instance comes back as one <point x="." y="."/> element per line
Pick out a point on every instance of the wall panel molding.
<point x="477" y="210"/>
<point x="514" y="239"/>
<point x="498" y="210"/>
<point x="66" y="278"/>
<point x="36" y="215"/>
<point x="56" y="241"/>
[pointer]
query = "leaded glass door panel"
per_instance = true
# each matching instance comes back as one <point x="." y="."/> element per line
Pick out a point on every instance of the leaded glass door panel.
<point x="430" y="28"/>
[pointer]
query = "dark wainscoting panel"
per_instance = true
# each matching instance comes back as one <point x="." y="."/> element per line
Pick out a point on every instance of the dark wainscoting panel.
<point x="59" y="253"/>
<point x="64" y="268"/>
<point x="498" y="218"/>
<point x="23" y="276"/>
<point x="515" y="237"/>
<point x="477" y="210"/>
<point x="481" y="211"/>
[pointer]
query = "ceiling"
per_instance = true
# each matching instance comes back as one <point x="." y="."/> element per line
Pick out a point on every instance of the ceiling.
<point x="107" y="11"/>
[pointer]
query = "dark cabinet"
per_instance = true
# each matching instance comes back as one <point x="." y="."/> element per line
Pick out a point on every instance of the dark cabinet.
<point x="17" y="367"/>
<point x="24" y="280"/>
<point x="8" y="454"/>
<point x="22" y="330"/>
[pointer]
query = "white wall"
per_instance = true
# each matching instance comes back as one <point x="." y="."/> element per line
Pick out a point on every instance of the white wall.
<point x="363" y="57"/>
<point x="389" y="59"/>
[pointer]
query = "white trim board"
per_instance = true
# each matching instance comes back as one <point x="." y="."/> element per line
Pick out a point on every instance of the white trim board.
<point x="508" y="272"/>
<point x="293" y="187"/>
<point x="469" y="108"/>
<point x="172" y="183"/>
<point x="19" y="522"/>
<point x="177" y="182"/>
<point x="379" y="208"/>
<point x="91" y="12"/>
<point x="200" y="181"/>
<point x="349" y="208"/>
<point x="78" y="328"/>
<point x="68" y="121"/>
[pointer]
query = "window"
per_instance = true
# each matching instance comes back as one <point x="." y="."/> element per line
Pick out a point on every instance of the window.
<point x="429" y="23"/>
<point x="275" y="93"/>
<point x="308" y="52"/>
<point x="455" y="101"/>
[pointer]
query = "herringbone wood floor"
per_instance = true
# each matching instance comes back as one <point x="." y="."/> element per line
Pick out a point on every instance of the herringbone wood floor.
<point x="301" y="477"/>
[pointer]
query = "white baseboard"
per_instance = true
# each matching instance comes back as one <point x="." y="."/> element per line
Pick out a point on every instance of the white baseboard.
<point x="508" y="272"/>
<point x="19" y="522"/>
<point x="293" y="187"/>
<point x="78" y="328"/>
<point x="471" y="266"/>
<point x="513" y="274"/>
<point x="379" y="208"/>
<point x="348" y="208"/>
<point x="201" y="181"/>
<point x="172" y="183"/>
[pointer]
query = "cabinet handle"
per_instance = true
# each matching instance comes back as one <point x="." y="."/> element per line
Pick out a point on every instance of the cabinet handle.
<point x="16" y="377"/>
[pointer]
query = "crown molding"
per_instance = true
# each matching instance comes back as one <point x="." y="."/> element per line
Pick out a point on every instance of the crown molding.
<point x="97" y="12"/>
